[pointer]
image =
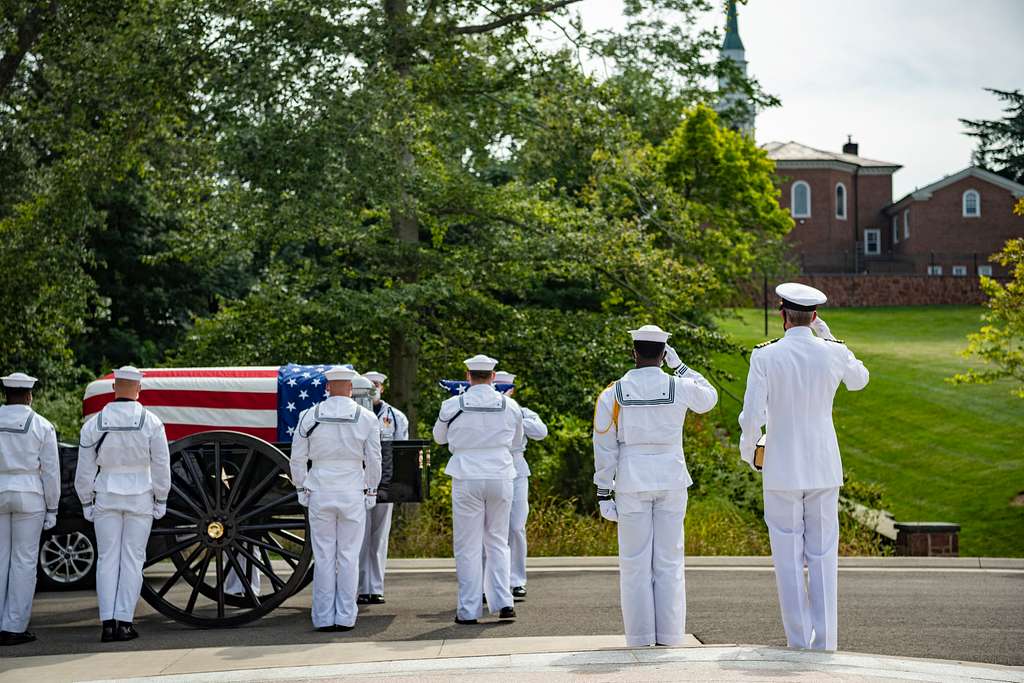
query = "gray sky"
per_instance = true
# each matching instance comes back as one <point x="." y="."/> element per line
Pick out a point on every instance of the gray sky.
<point x="897" y="74"/>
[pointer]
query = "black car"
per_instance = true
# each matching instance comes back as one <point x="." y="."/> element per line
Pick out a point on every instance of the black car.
<point x="67" y="552"/>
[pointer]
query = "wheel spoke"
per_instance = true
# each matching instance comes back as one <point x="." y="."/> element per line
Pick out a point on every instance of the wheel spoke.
<point x="174" y="530"/>
<point x="217" y="474"/>
<point x="260" y="488"/>
<point x="187" y="564"/>
<point x="269" y="506"/>
<point x="284" y="552"/>
<point x="220" y="583"/>
<point x="292" y="537"/>
<point x="239" y="478"/>
<point x="290" y="524"/>
<point x="180" y="515"/>
<point x="200" y="580"/>
<point x="243" y="578"/>
<point x="267" y="568"/>
<point x="177" y="547"/>
<point x="177" y="489"/>
<point x="199" y="478"/>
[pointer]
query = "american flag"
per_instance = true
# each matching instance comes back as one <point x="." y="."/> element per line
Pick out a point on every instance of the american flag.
<point x="459" y="386"/>
<point x="261" y="401"/>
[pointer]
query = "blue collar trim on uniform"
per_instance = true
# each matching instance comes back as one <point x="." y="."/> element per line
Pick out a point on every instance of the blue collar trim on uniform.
<point x="103" y="427"/>
<point x="317" y="417"/>
<point x="480" y="409"/>
<point x="20" y="430"/>
<point x="668" y="400"/>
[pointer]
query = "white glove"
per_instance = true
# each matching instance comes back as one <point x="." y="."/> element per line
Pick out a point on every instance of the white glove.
<point x="821" y="329"/>
<point x="370" y="500"/>
<point x="303" y="497"/>
<point x="159" y="510"/>
<point x="50" y="520"/>
<point x="88" y="511"/>
<point x="672" y="359"/>
<point x="608" y="510"/>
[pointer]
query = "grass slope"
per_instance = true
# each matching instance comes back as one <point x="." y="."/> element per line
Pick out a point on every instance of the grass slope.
<point x="944" y="453"/>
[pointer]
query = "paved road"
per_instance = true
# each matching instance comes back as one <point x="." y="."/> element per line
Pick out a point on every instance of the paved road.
<point x="965" y="615"/>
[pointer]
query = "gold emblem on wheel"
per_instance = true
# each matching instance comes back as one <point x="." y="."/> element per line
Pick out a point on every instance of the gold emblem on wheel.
<point x="215" y="530"/>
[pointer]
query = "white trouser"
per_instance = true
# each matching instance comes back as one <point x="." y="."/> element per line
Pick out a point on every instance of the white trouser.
<point x="233" y="585"/>
<point x="21" y="523"/>
<point x="337" y="520"/>
<point x="122" y="533"/>
<point x="652" y="584"/>
<point x="517" y="532"/>
<point x="804" y="526"/>
<point x="480" y="514"/>
<point x="373" y="556"/>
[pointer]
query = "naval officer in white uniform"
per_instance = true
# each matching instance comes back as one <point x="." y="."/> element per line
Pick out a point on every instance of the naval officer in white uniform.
<point x="790" y="388"/>
<point x="123" y="478"/>
<point x="638" y="459"/>
<point x="481" y="428"/>
<point x="533" y="429"/>
<point x="342" y="441"/>
<point x="29" y="493"/>
<point x="394" y="426"/>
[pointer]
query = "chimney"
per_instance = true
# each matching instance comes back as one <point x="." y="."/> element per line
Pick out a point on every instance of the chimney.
<point x="850" y="147"/>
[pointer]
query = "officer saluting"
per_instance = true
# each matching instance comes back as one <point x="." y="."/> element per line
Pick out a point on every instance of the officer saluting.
<point x="790" y="388"/>
<point x="29" y="493"/>
<point x="394" y="426"/>
<point x="481" y="427"/>
<point x="342" y="440"/>
<point x="638" y="454"/>
<point x="122" y="480"/>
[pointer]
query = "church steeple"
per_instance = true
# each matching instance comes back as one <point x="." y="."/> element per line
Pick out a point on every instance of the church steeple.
<point x="732" y="49"/>
<point x="732" y="29"/>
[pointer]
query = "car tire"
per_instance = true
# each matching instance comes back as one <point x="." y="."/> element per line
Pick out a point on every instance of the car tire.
<point x="67" y="559"/>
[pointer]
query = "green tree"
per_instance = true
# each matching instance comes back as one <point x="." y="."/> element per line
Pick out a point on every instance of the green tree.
<point x="1000" y="341"/>
<point x="1001" y="142"/>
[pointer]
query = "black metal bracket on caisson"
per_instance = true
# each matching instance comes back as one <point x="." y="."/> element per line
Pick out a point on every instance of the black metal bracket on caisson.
<point x="232" y="518"/>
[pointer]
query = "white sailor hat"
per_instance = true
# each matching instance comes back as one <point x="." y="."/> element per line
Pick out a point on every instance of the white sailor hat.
<point x="339" y="372"/>
<point x="480" y="362"/>
<point x="18" y="380"/>
<point x="502" y="377"/>
<point x="128" y="372"/>
<point x="800" y="297"/>
<point x="375" y="376"/>
<point x="651" y="333"/>
<point x="362" y="382"/>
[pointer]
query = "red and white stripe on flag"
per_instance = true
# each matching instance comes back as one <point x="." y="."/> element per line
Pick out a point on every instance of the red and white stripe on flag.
<point x="192" y="400"/>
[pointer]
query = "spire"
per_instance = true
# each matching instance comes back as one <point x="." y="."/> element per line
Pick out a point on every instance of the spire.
<point x="732" y="29"/>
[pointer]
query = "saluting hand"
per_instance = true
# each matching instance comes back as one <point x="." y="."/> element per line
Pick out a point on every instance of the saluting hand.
<point x="672" y="359"/>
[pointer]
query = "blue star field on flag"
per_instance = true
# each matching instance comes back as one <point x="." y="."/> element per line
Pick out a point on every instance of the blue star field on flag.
<point x="459" y="386"/>
<point x="298" y="387"/>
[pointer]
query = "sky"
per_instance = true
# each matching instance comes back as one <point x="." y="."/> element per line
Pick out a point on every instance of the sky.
<point x="895" y="74"/>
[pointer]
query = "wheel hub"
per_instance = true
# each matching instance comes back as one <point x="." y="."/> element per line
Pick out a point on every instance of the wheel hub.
<point x="215" y="530"/>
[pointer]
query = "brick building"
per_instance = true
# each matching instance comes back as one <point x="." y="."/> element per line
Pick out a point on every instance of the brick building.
<point x="847" y="222"/>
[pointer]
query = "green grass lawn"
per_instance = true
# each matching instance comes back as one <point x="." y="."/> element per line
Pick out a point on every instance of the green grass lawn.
<point x="944" y="453"/>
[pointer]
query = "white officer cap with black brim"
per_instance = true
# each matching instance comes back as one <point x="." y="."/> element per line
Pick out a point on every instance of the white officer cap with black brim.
<point x="129" y="373"/>
<point x="650" y="333"/>
<point x="798" y="297"/>
<point x="19" y="380"/>
<point x="502" y="377"/>
<point x="339" y="373"/>
<point x="377" y="377"/>
<point x="480" y="363"/>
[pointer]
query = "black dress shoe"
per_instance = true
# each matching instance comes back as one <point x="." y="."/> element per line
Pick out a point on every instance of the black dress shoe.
<point x="363" y="599"/>
<point x="325" y="629"/>
<point x="9" y="638"/>
<point x="465" y="622"/>
<point x="125" y="631"/>
<point x="109" y="628"/>
<point x="507" y="613"/>
<point x="484" y="598"/>
<point x="339" y="627"/>
<point x="519" y="592"/>
<point x="376" y="599"/>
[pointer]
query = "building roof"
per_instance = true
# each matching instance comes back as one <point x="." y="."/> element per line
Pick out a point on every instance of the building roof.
<point x="732" y="29"/>
<point x="793" y="154"/>
<point x="925" y="193"/>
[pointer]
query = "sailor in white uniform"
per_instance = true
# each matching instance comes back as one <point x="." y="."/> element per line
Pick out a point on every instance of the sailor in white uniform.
<point x="790" y="388"/>
<point x="535" y="429"/>
<point x="341" y="439"/>
<point x="122" y="480"/>
<point x="638" y="458"/>
<point x="481" y="428"/>
<point x="394" y="426"/>
<point x="29" y="493"/>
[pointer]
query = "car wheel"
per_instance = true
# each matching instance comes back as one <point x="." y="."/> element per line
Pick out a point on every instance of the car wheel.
<point x="67" y="560"/>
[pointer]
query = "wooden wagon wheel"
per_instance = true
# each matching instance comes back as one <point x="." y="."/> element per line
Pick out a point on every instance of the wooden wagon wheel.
<point x="232" y="508"/>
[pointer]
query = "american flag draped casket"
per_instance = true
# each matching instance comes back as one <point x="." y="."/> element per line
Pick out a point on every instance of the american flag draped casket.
<point x="262" y="401"/>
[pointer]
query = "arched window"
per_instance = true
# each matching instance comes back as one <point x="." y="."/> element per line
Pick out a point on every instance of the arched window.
<point x="906" y="224"/>
<point x="972" y="204"/>
<point x="801" y="200"/>
<point x="841" y="201"/>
